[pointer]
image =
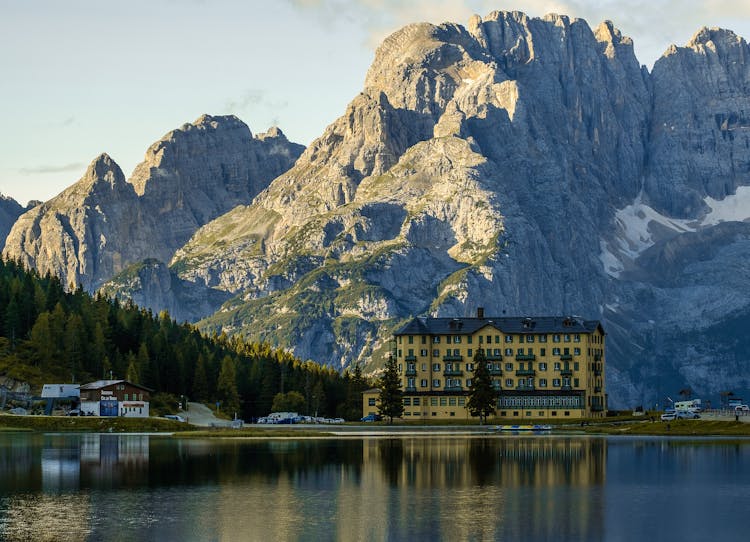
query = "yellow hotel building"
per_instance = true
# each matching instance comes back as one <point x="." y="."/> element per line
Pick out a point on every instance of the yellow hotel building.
<point x="544" y="367"/>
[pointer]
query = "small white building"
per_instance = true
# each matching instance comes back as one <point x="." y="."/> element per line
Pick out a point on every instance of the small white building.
<point x="115" y="398"/>
<point x="67" y="394"/>
<point x="61" y="391"/>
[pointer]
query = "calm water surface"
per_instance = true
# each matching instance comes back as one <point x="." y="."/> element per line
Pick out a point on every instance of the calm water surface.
<point x="139" y="487"/>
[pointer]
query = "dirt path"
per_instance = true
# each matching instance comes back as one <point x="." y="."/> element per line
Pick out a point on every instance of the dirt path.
<point x="199" y="414"/>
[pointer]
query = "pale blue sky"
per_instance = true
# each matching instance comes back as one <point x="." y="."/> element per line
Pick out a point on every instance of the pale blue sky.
<point x="81" y="77"/>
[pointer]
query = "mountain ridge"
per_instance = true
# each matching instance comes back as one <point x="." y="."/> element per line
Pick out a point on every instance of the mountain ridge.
<point x="525" y="165"/>
<point x="103" y="223"/>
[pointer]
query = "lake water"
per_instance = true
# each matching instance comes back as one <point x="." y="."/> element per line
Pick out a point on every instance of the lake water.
<point x="141" y="488"/>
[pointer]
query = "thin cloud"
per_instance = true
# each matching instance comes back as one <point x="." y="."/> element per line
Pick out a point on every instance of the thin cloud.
<point x="247" y="99"/>
<point x="307" y="4"/>
<point x="76" y="166"/>
<point x="252" y="98"/>
<point x="653" y="24"/>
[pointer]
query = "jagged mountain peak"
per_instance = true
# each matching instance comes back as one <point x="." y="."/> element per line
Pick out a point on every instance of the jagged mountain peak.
<point x="214" y="121"/>
<point x="437" y="80"/>
<point x="274" y="132"/>
<point x="103" y="169"/>
<point x="607" y="32"/>
<point x="101" y="224"/>
<point x="718" y="36"/>
<point x="724" y="43"/>
<point x="701" y="99"/>
<point x="191" y="141"/>
<point x="103" y="178"/>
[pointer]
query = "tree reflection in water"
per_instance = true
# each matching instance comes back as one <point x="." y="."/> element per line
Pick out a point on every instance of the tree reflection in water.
<point x="141" y="487"/>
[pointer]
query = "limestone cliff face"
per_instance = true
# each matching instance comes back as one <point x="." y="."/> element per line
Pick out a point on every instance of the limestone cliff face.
<point x="103" y="223"/>
<point x="526" y="165"/>
<point x="700" y="129"/>
<point x="10" y="210"/>
<point x="202" y="170"/>
<point x="461" y="176"/>
<point x="150" y="283"/>
<point x="81" y="233"/>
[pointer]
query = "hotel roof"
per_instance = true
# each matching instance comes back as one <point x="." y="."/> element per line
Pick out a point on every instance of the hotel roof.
<point x="505" y="324"/>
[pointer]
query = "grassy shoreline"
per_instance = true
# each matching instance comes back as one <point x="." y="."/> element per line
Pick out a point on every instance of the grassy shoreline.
<point x="693" y="428"/>
<point x="640" y="427"/>
<point x="93" y="424"/>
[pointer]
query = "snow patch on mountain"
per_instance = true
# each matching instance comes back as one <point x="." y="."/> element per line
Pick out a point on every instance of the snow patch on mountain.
<point x="639" y="226"/>
<point x="734" y="208"/>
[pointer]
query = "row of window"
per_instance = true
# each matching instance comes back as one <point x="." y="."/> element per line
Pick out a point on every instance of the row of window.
<point x="435" y="401"/>
<point x="503" y="414"/>
<point x="496" y="352"/>
<point x="543" y="382"/>
<point x="509" y="366"/>
<point x="535" y="401"/>
<point x="456" y="339"/>
<point x="509" y="383"/>
<point x="449" y="383"/>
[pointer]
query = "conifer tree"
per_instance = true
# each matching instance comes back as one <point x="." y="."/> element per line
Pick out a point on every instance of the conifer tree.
<point x="390" y="402"/>
<point x="226" y="386"/>
<point x="482" y="396"/>
<point x="132" y="374"/>
<point x="106" y="369"/>
<point x="356" y="384"/>
<point x="146" y="371"/>
<point x="200" y="380"/>
<point x="41" y="338"/>
<point x="318" y="398"/>
<point x="98" y="352"/>
<point x="74" y="341"/>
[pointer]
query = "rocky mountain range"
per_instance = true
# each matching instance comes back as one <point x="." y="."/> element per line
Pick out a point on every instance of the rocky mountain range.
<point x="526" y="165"/>
<point x="103" y="224"/>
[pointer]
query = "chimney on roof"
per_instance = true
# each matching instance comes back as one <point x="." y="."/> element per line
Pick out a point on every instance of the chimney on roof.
<point x="480" y="312"/>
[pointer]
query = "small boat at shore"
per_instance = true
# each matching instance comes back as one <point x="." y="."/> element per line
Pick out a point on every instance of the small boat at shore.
<point x="524" y="428"/>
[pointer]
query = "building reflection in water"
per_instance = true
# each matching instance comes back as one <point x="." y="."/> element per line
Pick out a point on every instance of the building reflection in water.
<point x="114" y="460"/>
<point x="503" y="488"/>
<point x="132" y="487"/>
<point x="419" y="488"/>
<point x="47" y="481"/>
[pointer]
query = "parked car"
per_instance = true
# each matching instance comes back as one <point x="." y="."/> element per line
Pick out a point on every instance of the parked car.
<point x="174" y="417"/>
<point x="669" y="416"/>
<point x="742" y="408"/>
<point x="74" y="412"/>
<point x="687" y="415"/>
<point x="371" y="418"/>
